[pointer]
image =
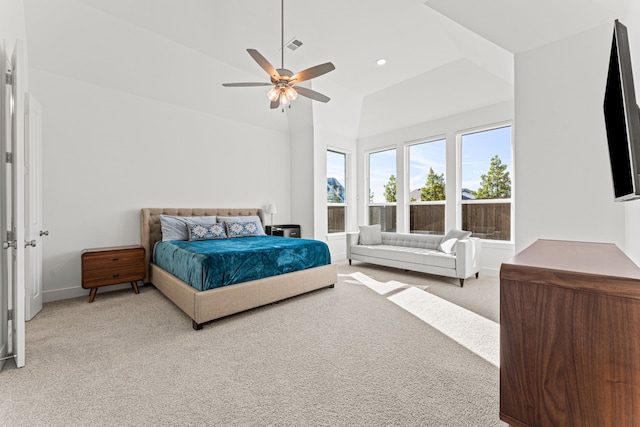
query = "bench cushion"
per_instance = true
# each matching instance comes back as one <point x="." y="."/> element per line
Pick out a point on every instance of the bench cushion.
<point x="405" y="254"/>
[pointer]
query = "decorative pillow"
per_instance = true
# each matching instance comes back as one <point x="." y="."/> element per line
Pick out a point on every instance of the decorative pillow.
<point x="206" y="232"/>
<point x="370" y="234"/>
<point x="246" y="218"/>
<point x="449" y="240"/>
<point x="243" y="229"/>
<point x="175" y="227"/>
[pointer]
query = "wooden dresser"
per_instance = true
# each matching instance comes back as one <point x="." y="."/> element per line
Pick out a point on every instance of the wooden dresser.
<point x="111" y="266"/>
<point x="570" y="336"/>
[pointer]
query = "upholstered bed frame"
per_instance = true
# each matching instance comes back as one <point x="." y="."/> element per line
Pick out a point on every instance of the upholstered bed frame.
<point x="204" y="306"/>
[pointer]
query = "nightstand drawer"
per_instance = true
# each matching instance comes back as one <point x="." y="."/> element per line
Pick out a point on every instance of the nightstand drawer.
<point x="112" y="276"/>
<point x="111" y="259"/>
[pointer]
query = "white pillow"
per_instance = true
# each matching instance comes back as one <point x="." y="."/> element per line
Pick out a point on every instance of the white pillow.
<point x="449" y="240"/>
<point x="370" y="234"/>
<point x="175" y="227"/>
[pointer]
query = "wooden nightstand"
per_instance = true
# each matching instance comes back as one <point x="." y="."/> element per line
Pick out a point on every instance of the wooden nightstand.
<point x="111" y="266"/>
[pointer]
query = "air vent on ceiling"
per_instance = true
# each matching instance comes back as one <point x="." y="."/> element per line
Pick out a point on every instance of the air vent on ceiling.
<point x="293" y="44"/>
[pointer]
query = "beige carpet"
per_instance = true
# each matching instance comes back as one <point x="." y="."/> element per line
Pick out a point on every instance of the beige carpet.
<point x="348" y="356"/>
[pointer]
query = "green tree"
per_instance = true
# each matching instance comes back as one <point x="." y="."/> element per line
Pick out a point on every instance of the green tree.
<point x="390" y="189"/>
<point x="434" y="187"/>
<point x="334" y="195"/>
<point x="495" y="184"/>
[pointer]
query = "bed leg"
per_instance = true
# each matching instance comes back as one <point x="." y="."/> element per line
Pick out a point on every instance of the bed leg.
<point x="349" y="262"/>
<point x="477" y="274"/>
<point x="332" y="286"/>
<point x="461" y="282"/>
<point x="197" y="326"/>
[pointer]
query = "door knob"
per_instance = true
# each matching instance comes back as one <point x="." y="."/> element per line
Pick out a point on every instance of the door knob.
<point x="44" y="233"/>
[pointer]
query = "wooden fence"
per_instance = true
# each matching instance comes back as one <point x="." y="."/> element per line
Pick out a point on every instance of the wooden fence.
<point x="427" y="219"/>
<point x="336" y="219"/>
<point x="485" y="220"/>
<point x="383" y="215"/>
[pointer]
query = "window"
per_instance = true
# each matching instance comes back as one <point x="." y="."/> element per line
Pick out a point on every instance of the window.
<point x="382" y="189"/>
<point x="486" y="183"/>
<point x="427" y="165"/>
<point x="336" y="191"/>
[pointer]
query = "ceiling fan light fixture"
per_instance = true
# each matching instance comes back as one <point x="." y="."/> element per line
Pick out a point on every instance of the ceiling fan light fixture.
<point x="284" y="100"/>
<point x="274" y="93"/>
<point x="291" y="93"/>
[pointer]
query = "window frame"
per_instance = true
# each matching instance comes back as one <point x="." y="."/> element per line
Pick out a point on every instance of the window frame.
<point x="345" y="204"/>
<point x="368" y="204"/>
<point x="460" y="202"/>
<point x="407" y="174"/>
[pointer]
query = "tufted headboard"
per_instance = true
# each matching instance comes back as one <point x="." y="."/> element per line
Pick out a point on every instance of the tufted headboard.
<point x="151" y="231"/>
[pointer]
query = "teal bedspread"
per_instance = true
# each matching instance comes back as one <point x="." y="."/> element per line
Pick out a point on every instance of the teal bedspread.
<point x="209" y="264"/>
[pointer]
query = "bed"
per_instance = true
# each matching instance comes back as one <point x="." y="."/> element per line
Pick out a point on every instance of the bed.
<point x="205" y="305"/>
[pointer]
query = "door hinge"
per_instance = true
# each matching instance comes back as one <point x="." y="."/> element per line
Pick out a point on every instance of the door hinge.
<point x="8" y="78"/>
<point x="9" y="243"/>
<point x="10" y="314"/>
<point x="8" y="157"/>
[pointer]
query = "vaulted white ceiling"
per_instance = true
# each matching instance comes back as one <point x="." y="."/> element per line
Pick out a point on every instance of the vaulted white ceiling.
<point x="443" y="56"/>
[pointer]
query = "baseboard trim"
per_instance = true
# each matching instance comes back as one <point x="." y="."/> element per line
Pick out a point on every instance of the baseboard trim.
<point x="490" y="272"/>
<point x="78" y="291"/>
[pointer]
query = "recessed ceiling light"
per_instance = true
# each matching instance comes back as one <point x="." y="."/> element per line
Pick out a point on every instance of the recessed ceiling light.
<point x="381" y="61"/>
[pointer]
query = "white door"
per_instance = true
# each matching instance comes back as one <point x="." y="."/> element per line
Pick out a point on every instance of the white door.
<point x="33" y="208"/>
<point x="4" y="220"/>
<point x="17" y="203"/>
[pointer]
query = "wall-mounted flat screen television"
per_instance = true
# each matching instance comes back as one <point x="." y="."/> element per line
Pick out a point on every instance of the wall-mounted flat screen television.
<point x="622" y="119"/>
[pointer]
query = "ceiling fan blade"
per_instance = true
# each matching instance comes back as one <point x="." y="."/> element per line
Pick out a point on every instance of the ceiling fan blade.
<point x="261" y="60"/>
<point x="312" y="94"/>
<point x="245" y="84"/>
<point x="312" y="72"/>
<point x="274" y="104"/>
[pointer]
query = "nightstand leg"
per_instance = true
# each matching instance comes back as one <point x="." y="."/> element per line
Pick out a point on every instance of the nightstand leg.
<point x="134" y="285"/>
<point x="92" y="295"/>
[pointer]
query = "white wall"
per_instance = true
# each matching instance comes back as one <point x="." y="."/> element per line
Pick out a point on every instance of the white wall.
<point x="12" y="22"/>
<point x="107" y="153"/>
<point x="494" y="253"/>
<point x="562" y="174"/>
<point x="632" y="209"/>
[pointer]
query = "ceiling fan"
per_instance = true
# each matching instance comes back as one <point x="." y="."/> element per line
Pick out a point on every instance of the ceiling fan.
<point x="284" y="82"/>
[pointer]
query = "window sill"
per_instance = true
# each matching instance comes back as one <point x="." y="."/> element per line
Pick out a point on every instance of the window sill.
<point x="336" y="236"/>
<point x="497" y="244"/>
